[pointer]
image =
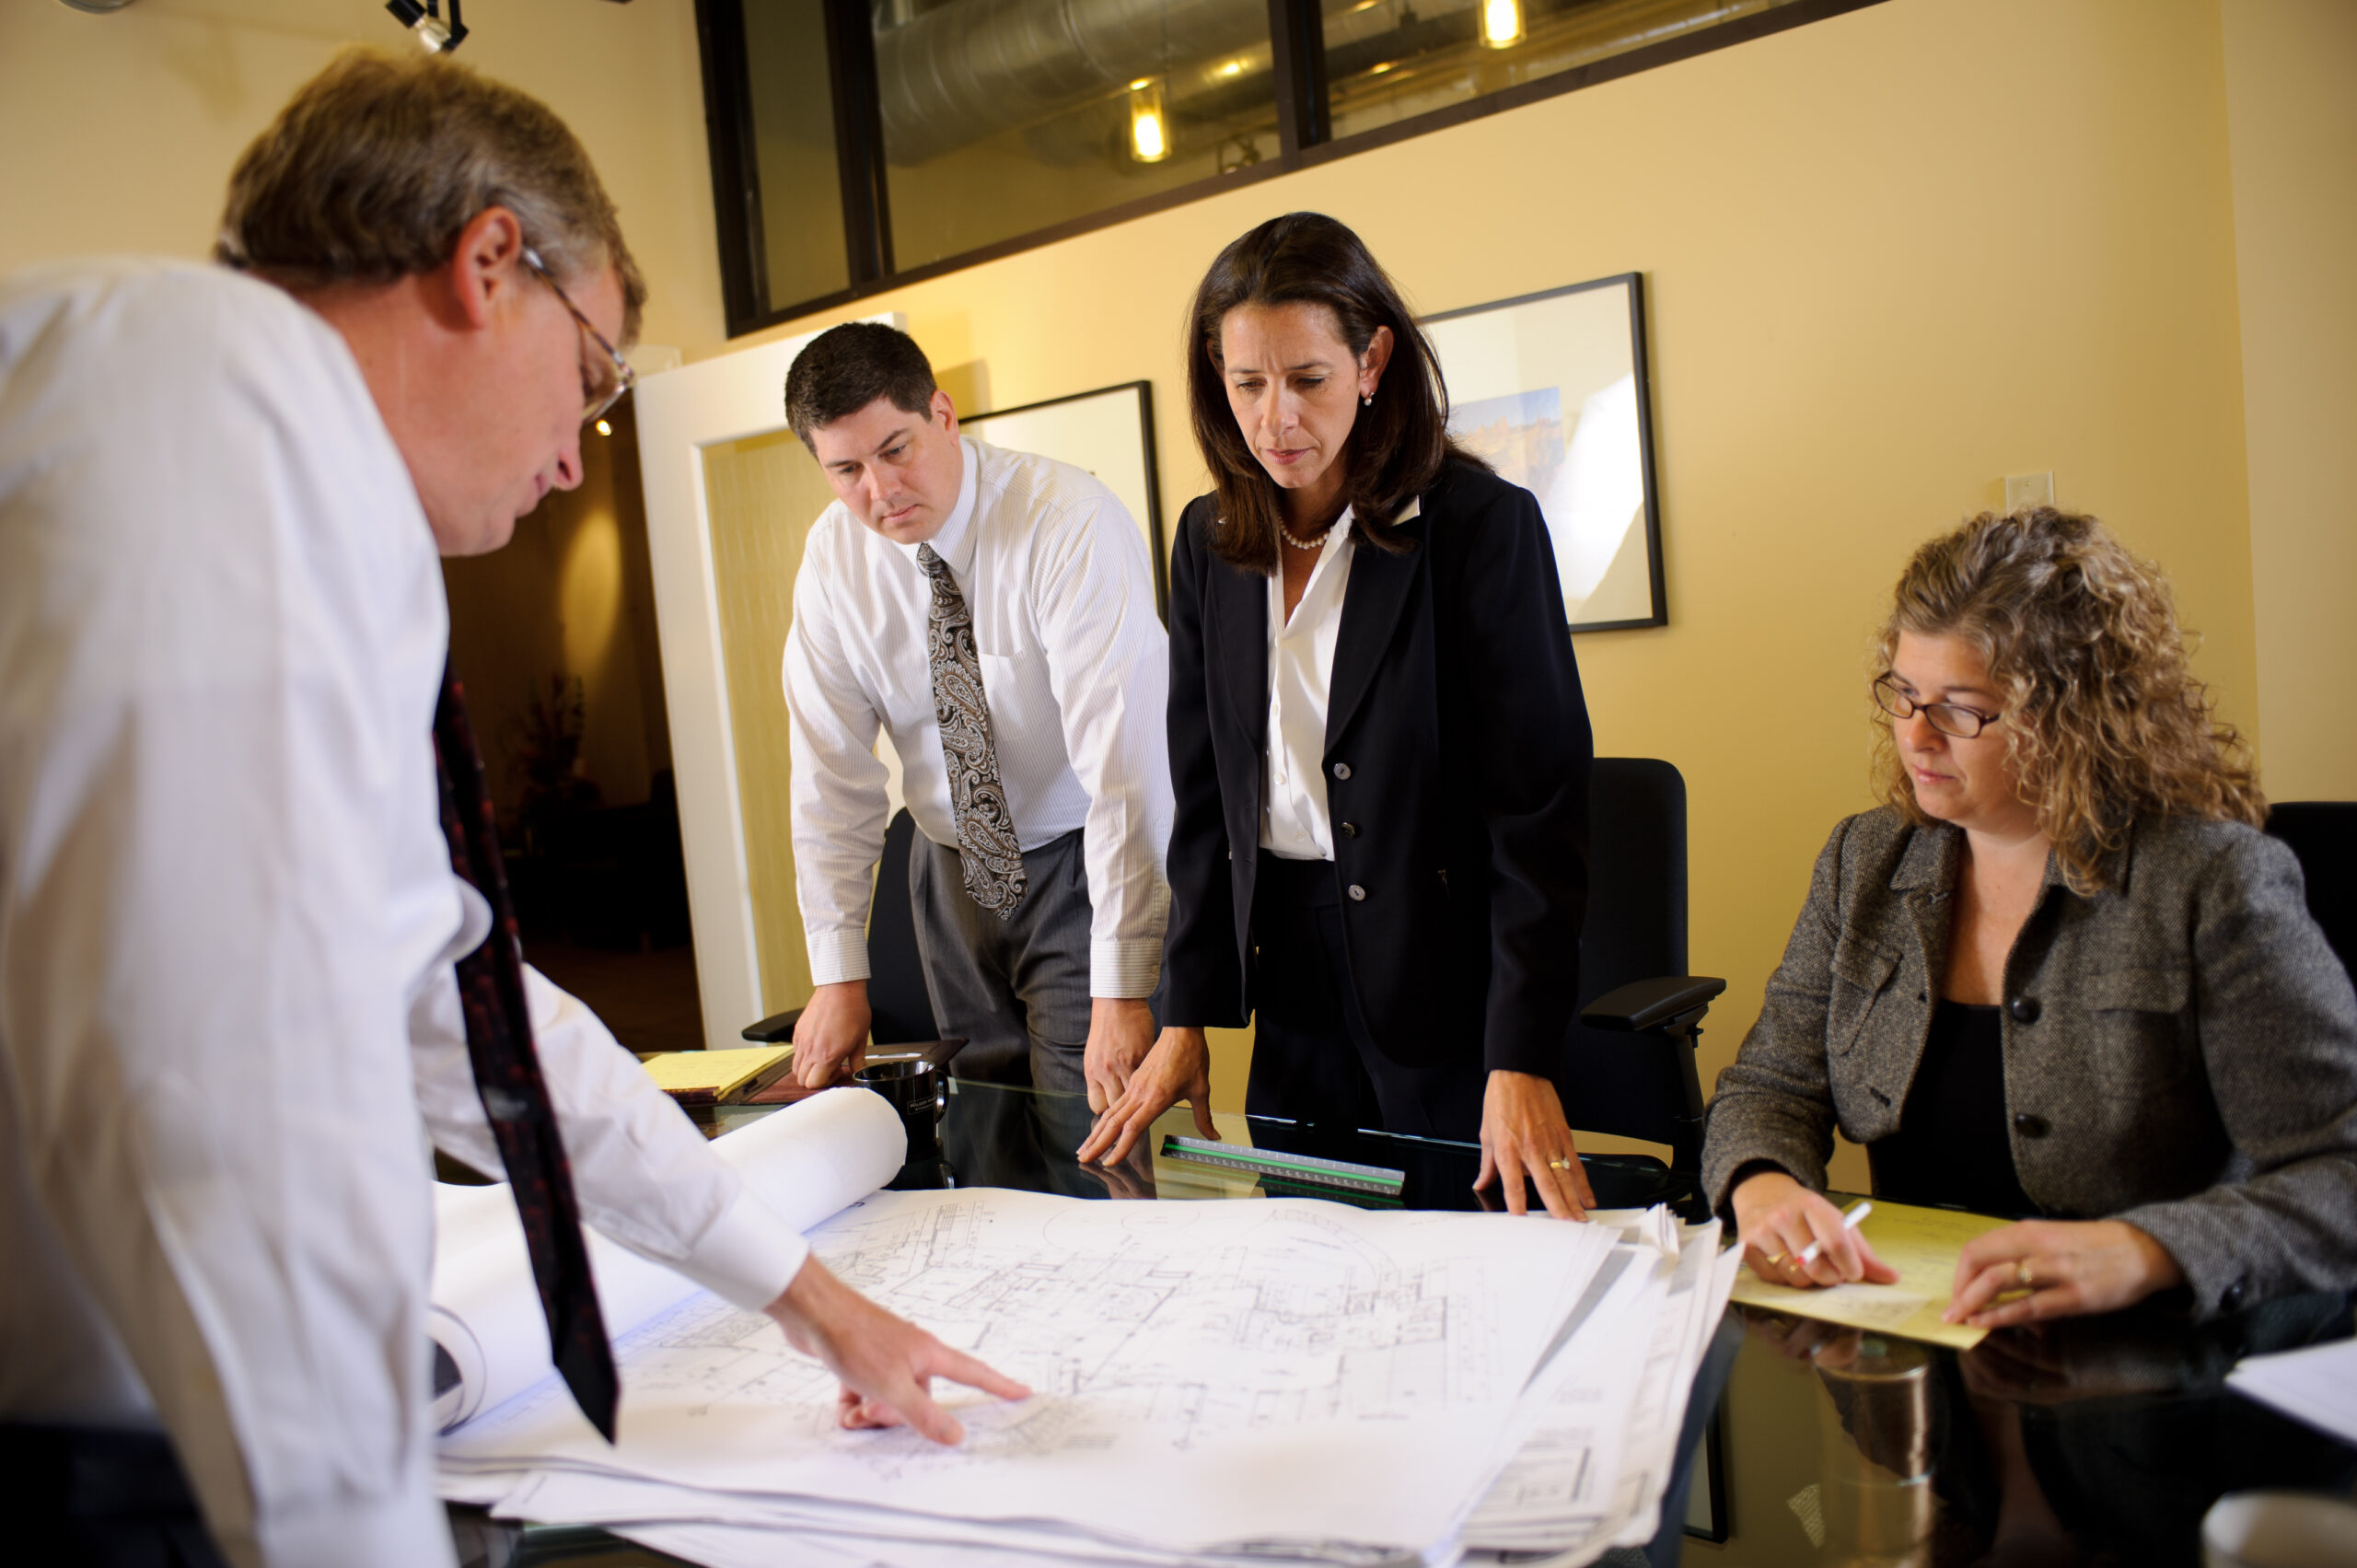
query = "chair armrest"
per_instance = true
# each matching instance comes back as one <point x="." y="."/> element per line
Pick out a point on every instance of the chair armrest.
<point x="775" y="1030"/>
<point x="1650" y="1003"/>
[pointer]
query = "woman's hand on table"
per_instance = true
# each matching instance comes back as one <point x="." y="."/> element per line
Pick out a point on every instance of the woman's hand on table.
<point x="1778" y="1218"/>
<point x="887" y="1365"/>
<point x="2057" y="1269"/>
<point x="1178" y="1067"/>
<point x="1524" y="1132"/>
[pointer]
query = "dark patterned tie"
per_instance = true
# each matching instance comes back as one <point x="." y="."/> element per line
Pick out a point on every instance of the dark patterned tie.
<point x="507" y="1076"/>
<point x="986" y="843"/>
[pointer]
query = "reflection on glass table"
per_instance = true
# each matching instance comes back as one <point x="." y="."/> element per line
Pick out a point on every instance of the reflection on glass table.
<point x="2095" y="1441"/>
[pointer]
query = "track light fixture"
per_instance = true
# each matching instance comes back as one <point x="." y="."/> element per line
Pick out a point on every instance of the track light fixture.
<point x="423" y="18"/>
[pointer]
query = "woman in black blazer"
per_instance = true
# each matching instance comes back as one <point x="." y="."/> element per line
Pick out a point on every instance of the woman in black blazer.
<point x="1380" y="846"/>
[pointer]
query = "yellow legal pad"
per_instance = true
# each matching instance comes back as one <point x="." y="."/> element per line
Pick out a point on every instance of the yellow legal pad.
<point x="707" y="1077"/>
<point x="1923" y="1246"/>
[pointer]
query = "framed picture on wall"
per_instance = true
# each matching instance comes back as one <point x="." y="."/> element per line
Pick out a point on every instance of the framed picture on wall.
<point x="1110" y="433"/>
<point x="1551" y="389"/>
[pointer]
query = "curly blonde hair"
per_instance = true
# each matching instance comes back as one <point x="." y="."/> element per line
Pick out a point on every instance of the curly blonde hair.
<point x="2102" y="718"/>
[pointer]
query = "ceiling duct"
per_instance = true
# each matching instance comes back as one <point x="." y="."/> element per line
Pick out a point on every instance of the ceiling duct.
<point x="968" y="69"/>
<point x="971" y="69"/>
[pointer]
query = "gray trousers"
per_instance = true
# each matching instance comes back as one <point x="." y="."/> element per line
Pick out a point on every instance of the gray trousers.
<point x="1016" y="989"/>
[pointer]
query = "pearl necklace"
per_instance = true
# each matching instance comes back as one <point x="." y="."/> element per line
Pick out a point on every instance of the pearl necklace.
<point x="1317" y="543"/>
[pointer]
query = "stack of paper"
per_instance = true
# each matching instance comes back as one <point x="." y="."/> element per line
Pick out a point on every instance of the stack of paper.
<point x="1215" y="1383"/>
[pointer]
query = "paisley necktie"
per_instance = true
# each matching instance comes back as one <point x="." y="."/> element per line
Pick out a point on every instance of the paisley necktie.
<point x="986" y="844"/>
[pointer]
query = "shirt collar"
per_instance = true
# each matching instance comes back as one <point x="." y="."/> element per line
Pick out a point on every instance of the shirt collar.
<point x="955" y="543"/>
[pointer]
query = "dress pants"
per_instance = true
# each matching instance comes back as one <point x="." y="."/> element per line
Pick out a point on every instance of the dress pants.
<point x="1014" y="990"/>
<point x="1312" y="1059"/>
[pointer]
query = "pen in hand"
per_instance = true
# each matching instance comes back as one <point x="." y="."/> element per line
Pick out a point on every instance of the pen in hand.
<point x="1810" y="1253"/>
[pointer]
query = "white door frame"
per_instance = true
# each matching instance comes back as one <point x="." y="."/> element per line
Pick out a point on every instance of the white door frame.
<point x="681" y="412"/>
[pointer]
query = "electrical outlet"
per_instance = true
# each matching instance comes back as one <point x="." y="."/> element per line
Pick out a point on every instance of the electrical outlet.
<point x="2029" y="490"/>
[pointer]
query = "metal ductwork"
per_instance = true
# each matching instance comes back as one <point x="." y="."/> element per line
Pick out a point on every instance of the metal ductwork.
<point x="969" y="69"/>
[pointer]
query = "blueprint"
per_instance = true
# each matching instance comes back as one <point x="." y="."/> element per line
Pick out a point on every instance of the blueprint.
<point x="1284" y="1375"/>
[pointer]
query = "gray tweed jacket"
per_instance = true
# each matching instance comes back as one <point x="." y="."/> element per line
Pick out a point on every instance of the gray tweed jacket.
<point x="2180" y="1048"/>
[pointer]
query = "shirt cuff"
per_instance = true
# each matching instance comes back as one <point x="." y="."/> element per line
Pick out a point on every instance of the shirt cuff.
<point x="1124" y="969"/>
<point x="837" y="955"/>
<point x="749" y="1256"/>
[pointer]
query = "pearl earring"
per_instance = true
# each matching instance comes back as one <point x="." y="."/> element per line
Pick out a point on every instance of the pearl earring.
<point x="1367" y="401"/>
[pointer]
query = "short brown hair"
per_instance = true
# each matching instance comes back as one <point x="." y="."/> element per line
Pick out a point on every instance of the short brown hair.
<point x="1396" y="448"/>
<point x="845" y="368"/>
<point x="2081" y="637"/>
<point x="373" y="169"/>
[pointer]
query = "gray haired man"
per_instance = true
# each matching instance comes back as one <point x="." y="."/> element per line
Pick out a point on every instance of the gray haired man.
<point x="229" y="1019"/>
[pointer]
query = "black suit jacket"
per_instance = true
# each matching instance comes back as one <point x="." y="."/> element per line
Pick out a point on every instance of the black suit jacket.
<point x="1456" y="773"/>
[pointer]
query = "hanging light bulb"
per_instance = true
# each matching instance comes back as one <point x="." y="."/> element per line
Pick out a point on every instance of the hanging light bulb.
<point x="1501" y="23"/>
<point x="1149" y="126"/>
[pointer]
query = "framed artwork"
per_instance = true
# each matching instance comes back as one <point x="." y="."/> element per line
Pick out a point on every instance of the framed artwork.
<point x="1109" y="432"/>
<point x="1551" y="389"/>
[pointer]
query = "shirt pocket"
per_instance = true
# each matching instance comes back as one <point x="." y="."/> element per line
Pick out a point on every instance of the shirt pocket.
<point x="1016" y="687"/>
<point x="1862" y="973"/>
<point x="2141" y="1041"/>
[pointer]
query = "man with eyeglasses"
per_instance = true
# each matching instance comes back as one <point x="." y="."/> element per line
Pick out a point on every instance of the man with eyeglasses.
<point x="254" y="949"/>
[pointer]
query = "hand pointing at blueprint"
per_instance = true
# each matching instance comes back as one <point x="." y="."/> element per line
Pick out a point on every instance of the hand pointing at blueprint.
<point x="885" y="1364"/>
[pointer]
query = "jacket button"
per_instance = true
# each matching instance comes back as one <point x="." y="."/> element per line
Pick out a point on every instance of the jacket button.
<point x="1349" y="830"/>
<point x="2230" y="1298"/>
<point x="2030" y="1126"/>
<point x="2024" y="1009"/>
<point x="1341" y="770"/>
<point x="1358" y="894"/>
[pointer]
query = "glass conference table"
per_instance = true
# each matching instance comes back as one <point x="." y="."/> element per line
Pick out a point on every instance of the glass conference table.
<point x="2096" y="1441"/>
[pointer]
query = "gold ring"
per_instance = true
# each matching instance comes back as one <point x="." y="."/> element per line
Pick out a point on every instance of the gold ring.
<point x="2021" y="1275"/>
<point x="1559" y="1165"/>
<point x="1778" y="1261"/>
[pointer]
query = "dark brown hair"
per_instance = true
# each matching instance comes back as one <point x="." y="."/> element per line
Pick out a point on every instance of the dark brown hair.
<point x="376" y="165"/>
<point x="1396" y="448"/>
<point x="847" y="367"/>
<point x="2104" y="721"/>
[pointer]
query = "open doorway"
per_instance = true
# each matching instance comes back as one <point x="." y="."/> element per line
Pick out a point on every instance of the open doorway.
<point x="554" y="640"/>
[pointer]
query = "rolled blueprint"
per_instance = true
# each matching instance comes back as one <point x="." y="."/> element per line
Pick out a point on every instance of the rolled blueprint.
<point x="807" y="1162"/>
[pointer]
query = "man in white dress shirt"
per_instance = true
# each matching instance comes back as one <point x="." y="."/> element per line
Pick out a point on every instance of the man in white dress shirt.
<point x="228" y="1023"/>
<point x="992" y="611"/>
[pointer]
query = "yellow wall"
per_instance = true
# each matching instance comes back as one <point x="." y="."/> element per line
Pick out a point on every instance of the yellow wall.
<point x="2291" y="98"/>
<point x="122" y="128"/>
<point x="1891" y="258"/>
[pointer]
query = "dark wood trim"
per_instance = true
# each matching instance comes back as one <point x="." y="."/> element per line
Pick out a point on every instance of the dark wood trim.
<point x="859" y="141"/>
<point x="1669" y="52"/>
<point x="735" y="183"/>
<point x="1298" y="65"/>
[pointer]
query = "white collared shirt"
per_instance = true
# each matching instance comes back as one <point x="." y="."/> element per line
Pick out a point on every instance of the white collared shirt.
<point x="228" y="920"/>
<point x="1295" y="824"/>
<point x="1075" y="669"/>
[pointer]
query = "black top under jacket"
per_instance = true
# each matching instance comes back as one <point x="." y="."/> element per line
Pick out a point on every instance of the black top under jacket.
<point x="1456" y="766"/>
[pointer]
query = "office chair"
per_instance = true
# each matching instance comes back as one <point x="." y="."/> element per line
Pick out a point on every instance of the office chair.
<point x="2323" y="833"/>
<point x="895" y="992"/>
<point x="1628" y="1067"/>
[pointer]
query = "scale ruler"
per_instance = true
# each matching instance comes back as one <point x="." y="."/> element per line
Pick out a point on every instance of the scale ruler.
<point x="1290" y="1168"/>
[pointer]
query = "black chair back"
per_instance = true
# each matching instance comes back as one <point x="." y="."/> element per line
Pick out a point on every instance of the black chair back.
<point x="895" y="992"/>
<point x="2323" y="833"/>
<point x="1630" y="1086"/>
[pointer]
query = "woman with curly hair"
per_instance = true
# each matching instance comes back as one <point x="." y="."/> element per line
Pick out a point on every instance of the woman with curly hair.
<point x="2060" y="974"/>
